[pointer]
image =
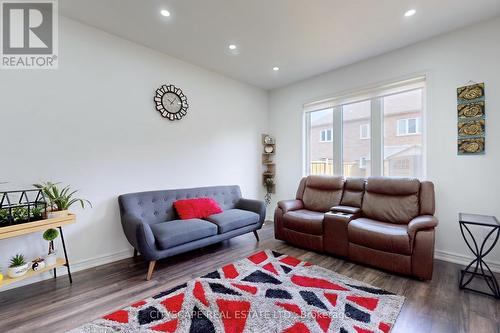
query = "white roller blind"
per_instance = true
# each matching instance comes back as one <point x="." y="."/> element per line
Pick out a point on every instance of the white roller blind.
<point x="366" y="94"/>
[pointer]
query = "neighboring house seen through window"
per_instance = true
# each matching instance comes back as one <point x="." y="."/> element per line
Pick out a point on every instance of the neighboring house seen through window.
<point x="376" y="132"/>
<point x="409" y="126"/>
<point x="326" y="136"/>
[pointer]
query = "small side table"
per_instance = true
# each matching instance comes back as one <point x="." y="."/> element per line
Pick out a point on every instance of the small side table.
<point x="480" y="252"/>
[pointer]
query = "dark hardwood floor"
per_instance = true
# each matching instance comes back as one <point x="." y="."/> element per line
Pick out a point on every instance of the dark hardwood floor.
<point x="55" y="305"/>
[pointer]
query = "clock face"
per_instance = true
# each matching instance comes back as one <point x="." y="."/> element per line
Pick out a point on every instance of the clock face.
<point x="171" y="102"/>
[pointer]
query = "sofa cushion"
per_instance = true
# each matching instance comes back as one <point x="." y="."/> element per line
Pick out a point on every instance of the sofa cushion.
<point x="233" y="219"/>
<point x="305" y="221"/>
<point x="322" y="192"/>
<point x="394" y="200"/>
<point x="353" y="192"/>
<point x="380" y="236"/>
<point x="172" y="233"/>
<point x="197" y="208"/>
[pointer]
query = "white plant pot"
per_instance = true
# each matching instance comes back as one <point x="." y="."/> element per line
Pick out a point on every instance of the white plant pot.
<point x="57" y="214"/>
<point x="51" y="259"/>
<point x="15" y="272"/>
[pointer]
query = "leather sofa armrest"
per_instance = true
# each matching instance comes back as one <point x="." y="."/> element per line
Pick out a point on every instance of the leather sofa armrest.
<point x="346" y="209"/>
<point x="289" y="205"/>
<point x="255" y="206"/>
<point x="140" y="235"/>
<point x="423" y="222"/>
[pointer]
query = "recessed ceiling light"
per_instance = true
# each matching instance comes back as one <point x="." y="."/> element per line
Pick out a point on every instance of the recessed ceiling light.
<point x="276" y="68"/>
<point x="410" y="12"/>
<point x="165" y="13"/>
<point x="232" y="47"/>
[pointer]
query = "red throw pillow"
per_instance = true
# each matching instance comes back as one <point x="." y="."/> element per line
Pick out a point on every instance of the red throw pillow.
<point x="198" y="208"/>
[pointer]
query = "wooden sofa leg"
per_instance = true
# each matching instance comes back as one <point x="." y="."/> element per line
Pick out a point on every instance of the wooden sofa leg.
<point x="256" y="235"/>
<point x="151" y="268"/>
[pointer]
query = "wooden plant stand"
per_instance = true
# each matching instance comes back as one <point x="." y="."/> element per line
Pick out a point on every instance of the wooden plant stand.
<point x="30" y="227"/>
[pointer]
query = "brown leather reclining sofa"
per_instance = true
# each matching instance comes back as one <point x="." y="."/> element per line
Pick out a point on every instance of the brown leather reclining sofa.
<point x="379" y="221"/>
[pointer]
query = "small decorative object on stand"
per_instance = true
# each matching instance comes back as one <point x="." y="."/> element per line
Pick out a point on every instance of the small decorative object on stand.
<point x="471" y="119"/>
<point x="171" y="102"/>
<point x="49" y="236"/>
<point x="38" y="264"/>
<point x="18" y="266"/>
<point x="268" y="177"/>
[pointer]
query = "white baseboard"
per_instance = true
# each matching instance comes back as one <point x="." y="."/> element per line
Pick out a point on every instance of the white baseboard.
<point x="463" y="260"/>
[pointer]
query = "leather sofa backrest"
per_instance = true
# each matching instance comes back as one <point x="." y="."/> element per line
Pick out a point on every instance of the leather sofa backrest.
<point x="322" y="192"/>
<point x="157" y="206"/>
<point x="393" y="200"/>
<point x="427" y="200"/>
<point x="354" y="188"/>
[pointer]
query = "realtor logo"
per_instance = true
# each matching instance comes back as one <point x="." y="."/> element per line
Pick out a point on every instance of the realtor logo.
<point x="29" y="34"/>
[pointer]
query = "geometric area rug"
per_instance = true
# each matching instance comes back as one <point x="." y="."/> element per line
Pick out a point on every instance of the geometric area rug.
<point x="266" y="292"/>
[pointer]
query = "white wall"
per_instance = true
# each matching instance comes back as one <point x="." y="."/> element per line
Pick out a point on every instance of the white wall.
<point x="92" y="124"/>
<point x="463" y="184"/>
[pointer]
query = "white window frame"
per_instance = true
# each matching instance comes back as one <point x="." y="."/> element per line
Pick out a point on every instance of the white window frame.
<point x="377" y="128"/>
<point x="361" y="128"/>
<point x="405" y="131"/>
<point x="326" y="132"/>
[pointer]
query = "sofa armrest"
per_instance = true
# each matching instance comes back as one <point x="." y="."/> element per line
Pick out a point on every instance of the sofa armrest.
<point x="423" y="222"/>
<point x="256" y="206"/>
<point x="139" y="235"/>
<point x="289" y="205"/>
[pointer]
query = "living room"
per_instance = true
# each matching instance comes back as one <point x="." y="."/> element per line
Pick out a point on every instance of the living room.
<point x="161" y="111"/>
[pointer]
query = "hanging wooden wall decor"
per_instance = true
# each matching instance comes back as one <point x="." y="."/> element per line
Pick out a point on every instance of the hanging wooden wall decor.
<point x="471" y="113"/>
<point x="268" y="177"/>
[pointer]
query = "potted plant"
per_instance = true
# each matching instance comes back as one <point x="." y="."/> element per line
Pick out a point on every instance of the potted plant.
<point x="36" y="213"/>
<point x="49" y="235"/>
<point x="20" y="215"/>
<point x="18" y="266"/>
<point x="59" y="200"/>
<point x="4" y="217"/>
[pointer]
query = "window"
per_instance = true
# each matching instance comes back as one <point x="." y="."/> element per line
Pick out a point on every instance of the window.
<point x="320" y="153"/>
<point x="403" y="142"/>
<point x="355" y="116"/>
<point x="325" y="135"/>
<point x="364" y="131"/>
<point x="374" y="132"/>
<point x="409" y="126"/>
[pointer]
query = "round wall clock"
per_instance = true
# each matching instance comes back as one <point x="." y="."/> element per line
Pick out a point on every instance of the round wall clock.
<point x="268" y="149"/>
<point x="171" y="102"/>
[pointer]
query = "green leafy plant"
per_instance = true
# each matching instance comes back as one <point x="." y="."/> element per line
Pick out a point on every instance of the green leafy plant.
<point x="4" y="216"/>
<point x="60" y="199"/>
<point x="49" y="235"/>
<point x="17" y="260"/>
<point x="20" y="214"/>
<point x="37" y="213"/>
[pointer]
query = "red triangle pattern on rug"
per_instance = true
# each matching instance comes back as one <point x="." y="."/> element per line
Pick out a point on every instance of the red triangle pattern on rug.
<point x="120" y="316"/>
<point x="234" y="315"/>
<point x="174" y="304"/>
<point x="249" y="289"/>
<point x="199" y="293"/>
<point x="369" y="303"/>
<point x="270" y="268"/>
<point x="266" y="292"/>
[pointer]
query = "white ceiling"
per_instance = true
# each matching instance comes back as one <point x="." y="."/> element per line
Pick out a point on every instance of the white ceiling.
<point x="302" y="37"/>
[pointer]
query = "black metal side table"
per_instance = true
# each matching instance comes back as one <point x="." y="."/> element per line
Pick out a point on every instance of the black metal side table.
<point x="480" y="252"/>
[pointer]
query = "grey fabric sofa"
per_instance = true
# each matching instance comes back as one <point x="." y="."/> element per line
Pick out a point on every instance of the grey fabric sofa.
<point x="153" y="228"/>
